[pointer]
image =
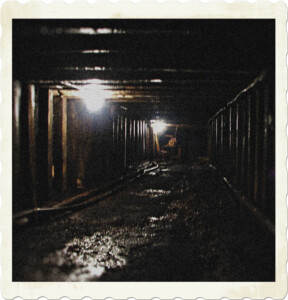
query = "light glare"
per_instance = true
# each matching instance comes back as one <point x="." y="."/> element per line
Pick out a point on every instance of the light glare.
<point x="93" y="97"/>
<point x="158" y="126"/>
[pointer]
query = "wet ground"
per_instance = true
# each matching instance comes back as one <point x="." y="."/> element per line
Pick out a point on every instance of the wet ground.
<point x="179" y="224"/>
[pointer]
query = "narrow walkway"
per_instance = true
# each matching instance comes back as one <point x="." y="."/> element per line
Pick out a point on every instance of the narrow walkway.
<point x="180" y="224"/>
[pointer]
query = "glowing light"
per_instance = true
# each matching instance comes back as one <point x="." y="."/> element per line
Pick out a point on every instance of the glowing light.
<point x="104" y="30"/>
<point x="93" y="96"/>
<point x="87" y="30"/>
<point x="158" y="126"/>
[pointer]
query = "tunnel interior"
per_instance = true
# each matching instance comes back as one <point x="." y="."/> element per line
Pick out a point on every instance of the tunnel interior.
<point x="94" y="99"/>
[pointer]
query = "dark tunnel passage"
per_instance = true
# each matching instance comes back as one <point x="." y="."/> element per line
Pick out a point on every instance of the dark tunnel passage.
<point x="143" y="150"/>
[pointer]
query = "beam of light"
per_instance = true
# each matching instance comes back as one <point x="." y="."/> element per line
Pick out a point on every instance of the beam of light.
<point x="93" y="96"/>
<point x="158" y="126"/>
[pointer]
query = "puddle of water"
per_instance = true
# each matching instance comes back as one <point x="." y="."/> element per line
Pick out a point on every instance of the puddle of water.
<point x="169" y="217"/>
<point x="152" y="173"/>
<point x="152" y="193"/>
<point x="87" y="258"/>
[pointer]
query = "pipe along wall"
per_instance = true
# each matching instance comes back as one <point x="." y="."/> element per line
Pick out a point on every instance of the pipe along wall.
<point x="61" y="149"/>
<point x="242" y="139"/>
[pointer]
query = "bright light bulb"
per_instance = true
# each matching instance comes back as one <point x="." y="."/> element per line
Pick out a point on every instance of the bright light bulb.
<point x="93" y="97"/>
<point x="158" y="126"/>
<point x="93" y="104"/>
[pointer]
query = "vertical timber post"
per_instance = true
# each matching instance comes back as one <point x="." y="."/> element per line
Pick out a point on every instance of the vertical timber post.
<point x="256" y="157"/>
<point x="144" y="139"/>
<point x="236" y="145"/>
<point x="134" y="140"/>
<point x="50" y="139"/>
<point x="249" y="170"/>
<point x="265" y="149"/>
<point x="221" y="139"/>
<point x="130" y="140"/>
<point x="16" y="143"/>
<point x="125" y="142"/>
<point x="32" y="142"/>
<point x="64" y="142"/>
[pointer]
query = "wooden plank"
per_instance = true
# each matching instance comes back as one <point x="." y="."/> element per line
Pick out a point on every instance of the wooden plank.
<point x="221" y="136"/>
<point x="114" y="133"/>
<point x="16" y="175"/>
<point x="121" y="142"/>
<point x="249" y="154"/>
<point x="125" y="143"/>
<point x="236" y="166"/>
<point x="154" y="145"/>
<point x="50" y="139"/>
<point x="256" y="157"/>
<point x="64" y="142"/>
<point x="138" y="140"/>
<point x="144" y="139"/>
<point x="265" y="150"/>
<point x="16" y="129"/>
<point x="243" y="145"/>
<point x="130" y="141"/>
<point x="32" y="142"/>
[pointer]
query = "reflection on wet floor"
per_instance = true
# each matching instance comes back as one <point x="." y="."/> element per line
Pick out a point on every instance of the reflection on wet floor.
<point x="151" y="193"/>
<point x="177" y="224"/>
<point x="87" y="258"/>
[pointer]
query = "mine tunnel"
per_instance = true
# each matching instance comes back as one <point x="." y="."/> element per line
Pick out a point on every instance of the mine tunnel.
<point x="143" y="150"/>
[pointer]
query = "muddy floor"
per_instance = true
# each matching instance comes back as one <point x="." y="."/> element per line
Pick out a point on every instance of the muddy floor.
<point x="178" y="224"/>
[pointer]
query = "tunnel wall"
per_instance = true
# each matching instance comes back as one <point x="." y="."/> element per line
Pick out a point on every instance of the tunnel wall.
<point x="60" y="148"/>
<point x="242" y="143"/>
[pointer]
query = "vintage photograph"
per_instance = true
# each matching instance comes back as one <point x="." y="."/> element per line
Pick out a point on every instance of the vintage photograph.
<point x="143" y="150"/>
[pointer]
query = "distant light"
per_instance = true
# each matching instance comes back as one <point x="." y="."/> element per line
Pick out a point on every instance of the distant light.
<point x="96" y="51"/>
<point x="158" y="126"/>
<point x="93" y="97"/>
<point x="87" y="30"/>
<point x="104" y="30"/>
<point x="82" y="30"/>
<point x="156" y="80"/>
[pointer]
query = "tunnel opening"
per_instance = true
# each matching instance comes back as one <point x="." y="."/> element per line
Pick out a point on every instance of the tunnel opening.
<point x="99" y="103"/>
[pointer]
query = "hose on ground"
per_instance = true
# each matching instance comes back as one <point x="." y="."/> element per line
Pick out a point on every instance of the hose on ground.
<point x="92" y="196"/>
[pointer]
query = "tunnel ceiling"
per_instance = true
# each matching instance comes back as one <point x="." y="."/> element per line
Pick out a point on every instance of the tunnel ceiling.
<point x="180" y="70"/>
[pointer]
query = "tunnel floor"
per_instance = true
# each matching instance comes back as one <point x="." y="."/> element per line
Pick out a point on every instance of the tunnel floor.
<point x="178" y="224"/>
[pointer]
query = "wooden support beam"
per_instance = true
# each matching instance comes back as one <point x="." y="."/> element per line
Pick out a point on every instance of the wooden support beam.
<point x="125" y="143"/>
<point x="144" y="138"/>
<point x="130" y="142"/>
<point x="134" y="140"/>
<point x="265" y="150"/>
<point x="236" y="166"/>
<point x="32" y="142"/>
<point x="16" y="175"/>
<point x="138" y="139"/>
<point x="50" y="139"/>
<point x="249" y="151"/>
<point x="16" y="129"/>
<point x="64" y="142"/>
<point x="154" y="144"/>
<point x="257" y="144"/>
<point x="114" y="125"/>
